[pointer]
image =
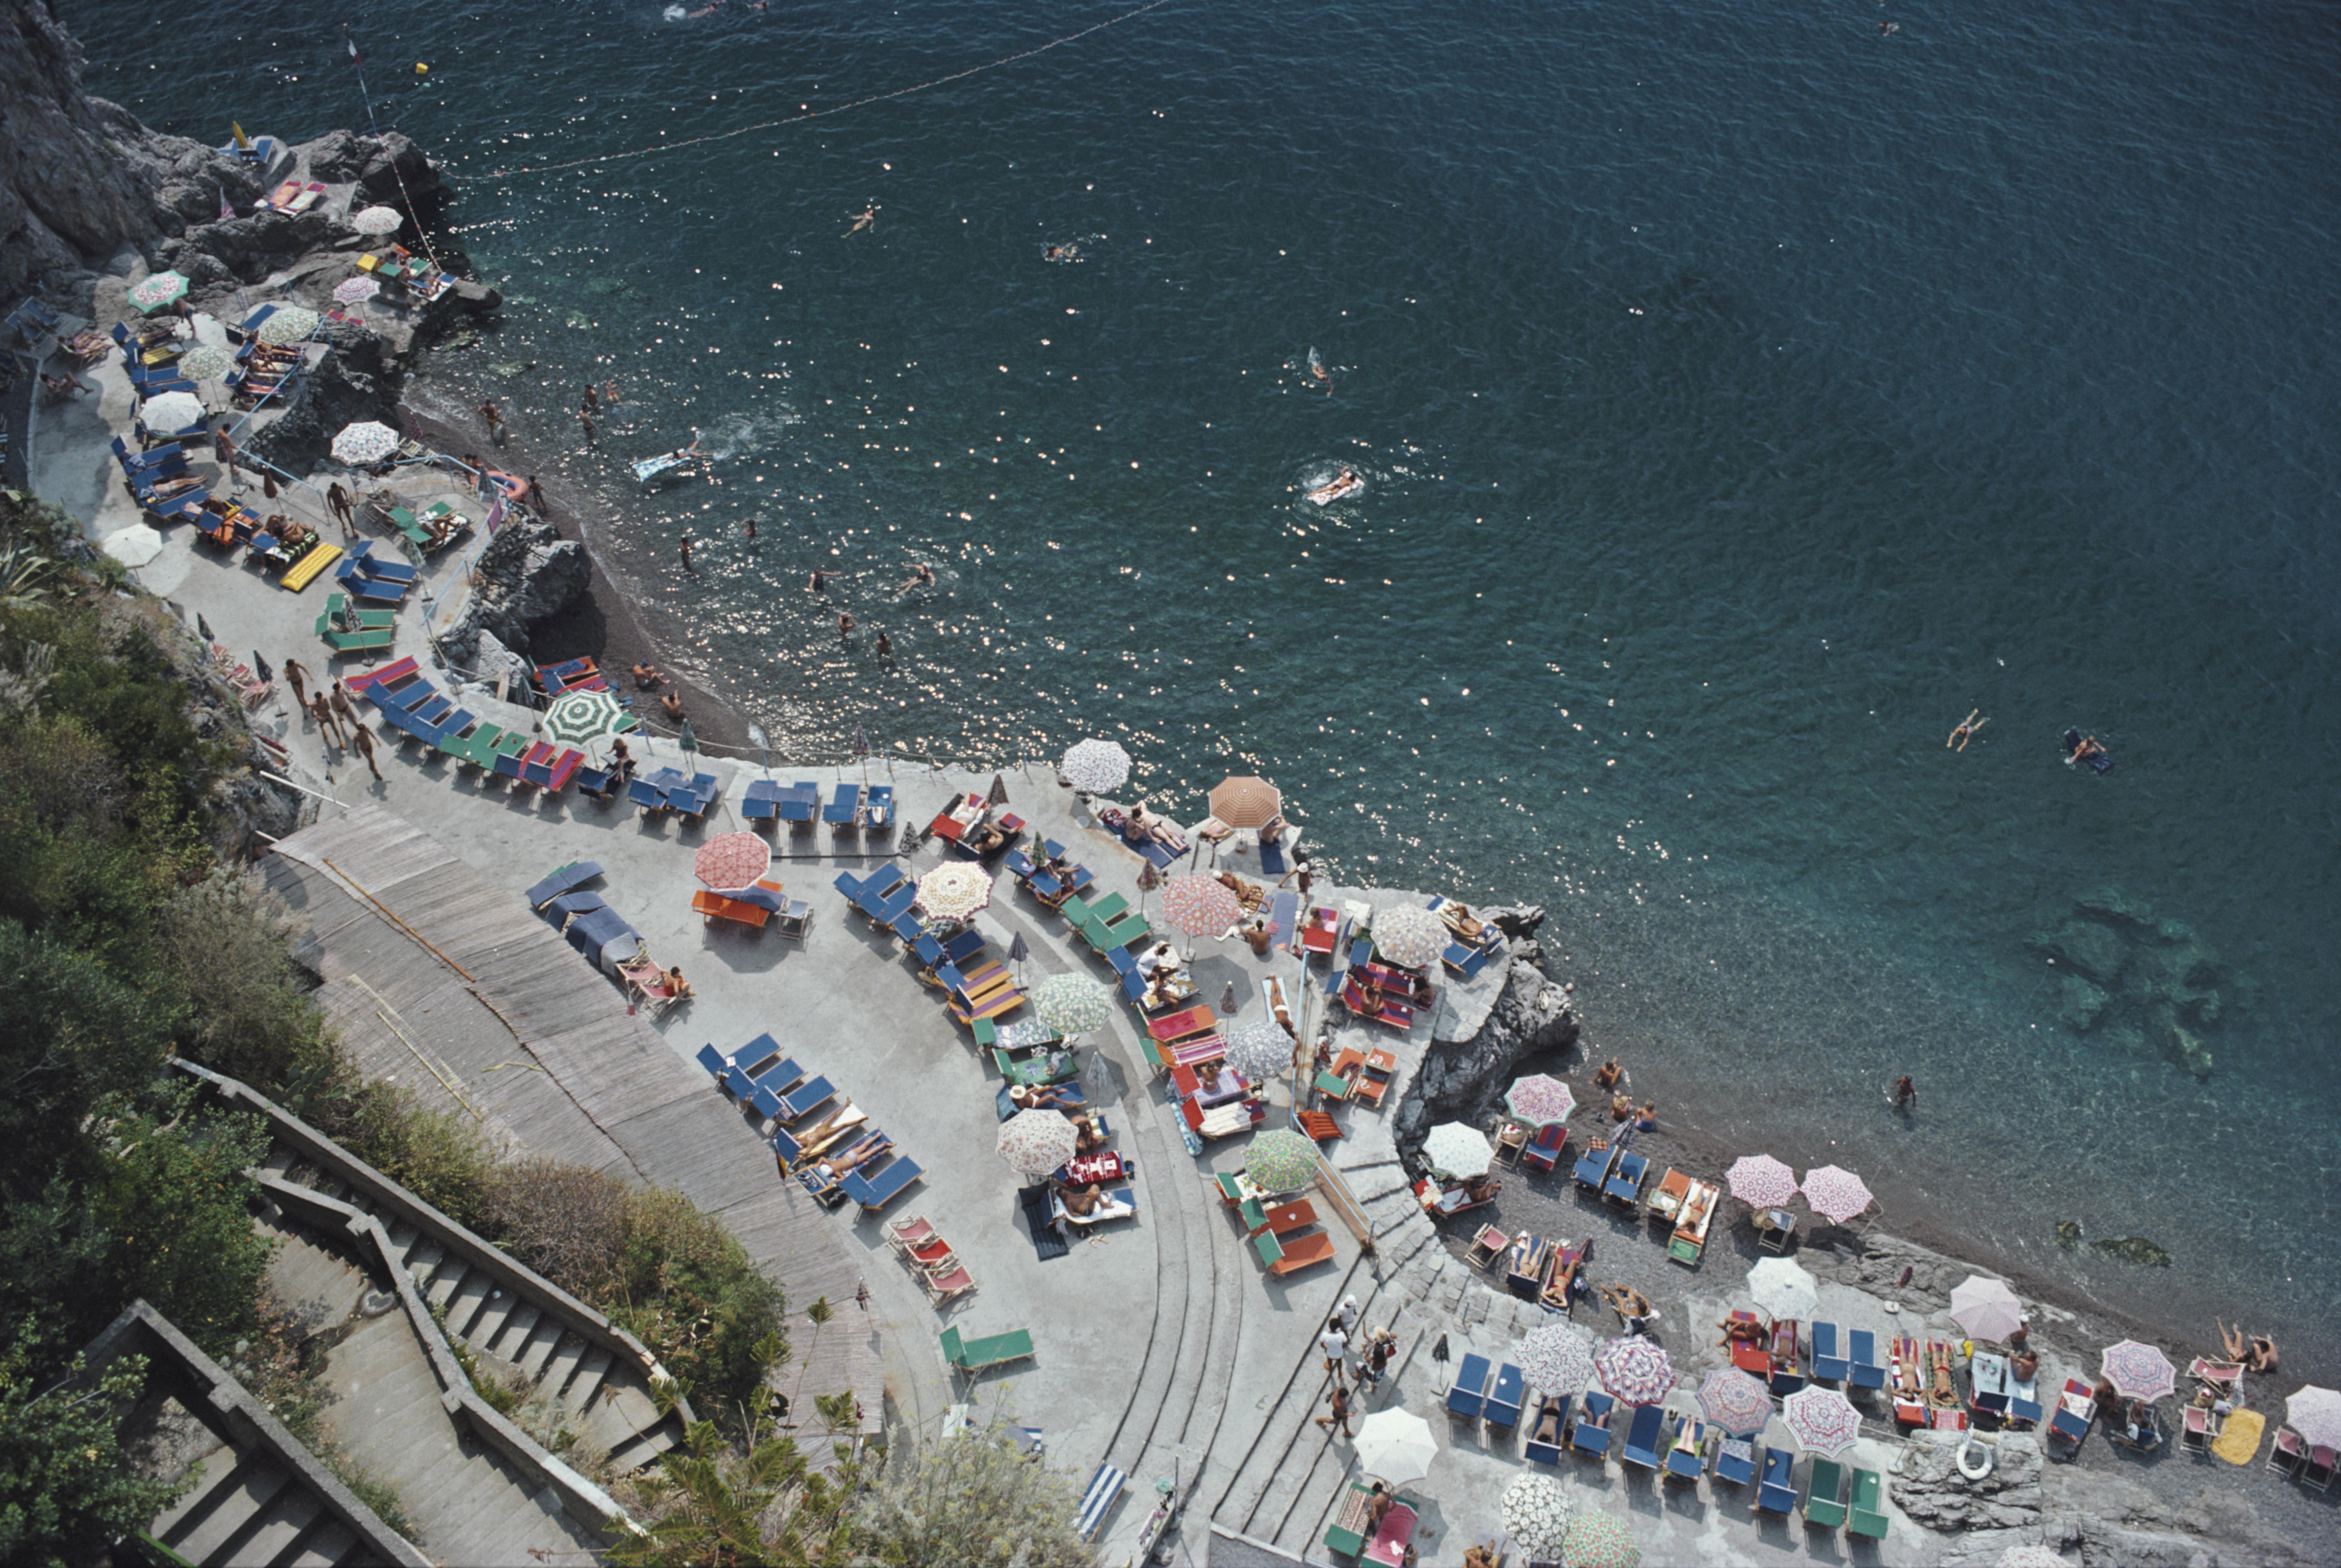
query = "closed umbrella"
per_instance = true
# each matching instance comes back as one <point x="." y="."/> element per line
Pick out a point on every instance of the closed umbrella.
<point x="153" y="292"/>
<point x="1280" y="1161"/>
<point x="579" y="718"/>
<point x="291" y="323"/>
<point x="1539" y="1100"/>
<point x="1735" y="1401"/>
<point x="1410" y="937"/>
<point x="134" y="546"/>
<point x="1821" y="1421"/>
<point x="998" y="794"/>
<point x="1761" y="1182"/>
<point x="1200" y="906"/>
<point x="954" y="890"/>
<point x="1458" y="1150"/>
<point x="1836" y="1192"/>
<point x="1535" y="1515"/>
<point x="1245" y="802"/>
<point x="1395" y="1444"/>
<point x="2137" y="1370"/>
<point x="1599" y="1540"/>
<point x="1071" y="1004"/>
<point x="377" y="220"/>
<point x="1556" y="1360"/>
<point x="172" y="411"/>
<point x="2315" y="1413"/>
<point x="732" y="861"/>
<point x="365" y="443"/>
<point x="1095" y="767"/>
<point x="205" y="362"/>
<point x="1036" y="1142"/>
<point x="356" y="290"/>
<point x="1260" y="1049"/>
<point x="1783" y="1289"/>
<point x="1635" y="1370"/>
<point x="1986" y="1308"/>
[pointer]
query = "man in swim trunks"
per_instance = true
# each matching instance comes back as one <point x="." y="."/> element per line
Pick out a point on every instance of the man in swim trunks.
<point x="1967" y="729"/>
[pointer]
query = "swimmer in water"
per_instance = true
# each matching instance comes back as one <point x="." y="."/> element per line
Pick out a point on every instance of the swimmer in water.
<point x="2078" y="749"/>
<point x="921" y="577"/>
<point x="1317" y="368"/>
<point x="867" y="219"/>
<point x="1967" y="729"/>
<point x="817" y="582"/>
<point x="885" y="644"/>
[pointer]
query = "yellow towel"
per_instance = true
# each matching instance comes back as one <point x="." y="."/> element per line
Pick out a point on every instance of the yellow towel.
<point x="2239" y="1439"/>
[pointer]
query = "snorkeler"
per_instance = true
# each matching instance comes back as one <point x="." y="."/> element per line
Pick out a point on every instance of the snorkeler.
<point x="1967" y="729"/>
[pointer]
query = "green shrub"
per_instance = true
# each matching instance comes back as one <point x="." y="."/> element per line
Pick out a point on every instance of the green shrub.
<point x="566" y="1222"/>
<point x="687" y="1288"/>
<point x="66" y="1490"/>
<point x="437" y="1155"/>
<point x="223" y="942"/>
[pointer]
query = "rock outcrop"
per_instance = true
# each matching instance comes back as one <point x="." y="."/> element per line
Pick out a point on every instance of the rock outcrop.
<point x="1457" y="1078"/>
<point x="1930" y="1488"/>
<point x="527" y="573"/>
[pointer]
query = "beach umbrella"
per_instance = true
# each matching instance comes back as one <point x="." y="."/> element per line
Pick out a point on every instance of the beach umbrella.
<point x="172" y="411"/>
<point x="2031" y="1555"/>
<point x="1071" y="1004"/>
<point x="1836" y="1192"/>
<point x="1458" y="1150"/>
<point x="1761" y="1182"/>
<point x="134" y="546"/>
<point x="1395" y="1444"/>
<point x="686" y="737"/>
<point x="732" y="860"/>
<point x="1820" y="1420"/>
<point x="1635" y="1370"/>
<point x="291" y="323"/>
<point x="1599" y="1540"/>
<point x="1783" y="1289"/>
<point x="1094" y="766"/>
<point x="1200" y="906"/>
<point x="1260" y="1049"/>
<point x="205" y="362"/>
<point x="1986" y="1308"/>
<point x="1556" y="1359"/>
<point x="998" y="794"/>
<point x="1539" y="1100"/>
<point x="1016" y="950"/>
<point x="153" y="292"/>
<point x="365" y="443"/>
<point x="356" y="290"/>
<point x="580" y="718"/>
<point x="1036" y="1142"/>
<point x="1281" y="1162"/>
<point x="1735" y="1401"/>
<point x="1245" y="802"/>
<point x="2315" y="1413"/>
<point x="377" y="220"/>
<point x="1410" y="937"/>
<point x="2137" y="1370"/>
<point x="954" y="890"/>
<point x="1535" y="1515"/>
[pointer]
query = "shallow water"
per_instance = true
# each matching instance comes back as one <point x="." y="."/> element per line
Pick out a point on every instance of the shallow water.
<point x="1742" y="394"/>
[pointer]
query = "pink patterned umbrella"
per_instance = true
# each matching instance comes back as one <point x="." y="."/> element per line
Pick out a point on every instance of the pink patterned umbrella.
<point x="1735" y="1401"/>
<point x="1761" y="1182"/>
<point x="1539" y="1100"/>
<point x="2316" y="1413"/>
<point x="734" y="860"/>
<point x="1821" y="1421"/>
<point x="1635" y="1370"/>
<point x="1200" y="906"/>
<point x="1836" y="1192"/>
<point x="2137" y="1370"/>
<point x="356" y="290"/>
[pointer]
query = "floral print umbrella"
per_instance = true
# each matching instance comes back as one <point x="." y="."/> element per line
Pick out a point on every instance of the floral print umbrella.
<point x="1410" y="937"/>
<point x="1556" y="1360"/>
<point x="1260" y="1049"/>
<point x="1035" y="1142"/>
<point x="1535" y="1515"/>
<point x="1635" y="1370"/>
<point x="1836" y="1192"/>
<point x="205" y="362"/>
<point x="1094" y="766"/>
<point x="2316" y="1413"/>
<point x="954" y="890"/>
<point x="1821" y="1421"/>
<point x="1200" y="906"/>
<point x="1281" y="1162"/>
<point x="377" y="220"/>
<point x="170" y="410"/>
<point x="1761" y="1182"/>
<point x="732" y="860"/>
<point x="1539" y="1100"/>
<point x="291" y="323"/>
<point x="153" y="292"/>
<point x="1599" y="1540"/>
<point x="1070" y="1004"/>
<point x="1735" y="1401"/>
<point x="1458" y="1150"/>
<point x="366" y="441"/>
<point x="356" y="290"/>
<point x="2137" y="1370"/>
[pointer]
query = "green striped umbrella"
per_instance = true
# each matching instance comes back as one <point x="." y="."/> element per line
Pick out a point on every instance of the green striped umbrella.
<point x="1070" y="1004"/>
<point x="580" y="718"/>
<point x="1599" y="1540"/>
<point x="1281" y="1162"/>
<point x="151" y="293"/>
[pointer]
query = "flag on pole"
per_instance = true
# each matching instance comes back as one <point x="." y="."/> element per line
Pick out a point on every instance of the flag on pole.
<point x="356" y="58"/>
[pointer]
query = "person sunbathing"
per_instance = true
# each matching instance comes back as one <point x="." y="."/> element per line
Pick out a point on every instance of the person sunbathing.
<point x="646" y="677"/>
<point x="1606" y="1078"/>
<point x="1085" y="1136"/>
<point x="1621" y="1107"/>
<point x="984" y="838"/>
<point x="2025" y="1364"/>
<point x="1548" y="1426"/>
<point x="1153" y="825"/>
<point x="677" y="986"/>
<point x="1256" y="936"/>
<point x="1648" y="1119"/>
<point x="1046" y="1097"/>
<point x="1081" y="1199"/>
<point x="2232" y="1338"/>
<point x="1630" y="1304"/>
<point x="2263" y="1357"/>
<point x="1945" y="1392"/>
<point x="1741" y="1331"/>
<point x="862" y="1154"/>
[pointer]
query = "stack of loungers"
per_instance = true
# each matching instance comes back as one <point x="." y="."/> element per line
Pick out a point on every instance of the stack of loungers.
<point x="762" y="1077"/>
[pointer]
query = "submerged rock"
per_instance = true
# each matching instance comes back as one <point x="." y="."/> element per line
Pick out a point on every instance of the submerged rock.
<point x="2083" y="1004"/>
<point x="2094" y="950"/>
<point x="2134" y="1249"/>
<point x="2068" y="1234"/>
<point x="2191" y="1052"/>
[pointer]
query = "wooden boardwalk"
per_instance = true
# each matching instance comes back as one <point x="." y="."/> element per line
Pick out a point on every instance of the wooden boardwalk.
<point x="539" y="1046"/>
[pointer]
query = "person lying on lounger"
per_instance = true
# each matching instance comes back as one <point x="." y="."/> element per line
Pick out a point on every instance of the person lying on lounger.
<point x="1047" y="1098"/>
<point x="983" y="838"/>
<point x="1742" y="1331"/>
<point x="1154" y="826"/>
<point x="1630" y="1304"/>
<point x="1081" y="1200"/>
<point x="1085" y="1136"/>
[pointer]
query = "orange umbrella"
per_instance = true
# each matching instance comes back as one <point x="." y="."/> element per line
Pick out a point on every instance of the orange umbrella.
<point x="1245" y="802"/>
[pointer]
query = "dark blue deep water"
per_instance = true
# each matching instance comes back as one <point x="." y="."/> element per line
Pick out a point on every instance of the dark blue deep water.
<point x="1743" y="393"/>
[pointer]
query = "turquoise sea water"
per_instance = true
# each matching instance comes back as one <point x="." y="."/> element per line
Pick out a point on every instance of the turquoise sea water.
<point x="1743" y="395"/>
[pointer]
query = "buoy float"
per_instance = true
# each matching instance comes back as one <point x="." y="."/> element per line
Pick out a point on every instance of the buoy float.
<point x="421" y="69"/>
<point x="1981" y="1465"/>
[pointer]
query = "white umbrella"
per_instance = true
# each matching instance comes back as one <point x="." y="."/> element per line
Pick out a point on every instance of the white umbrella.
<point x="172" y="411"/>
<point x="291" y="323"/>
<point x="134" y="546"/>
<point x="1986" y="1308"/>
<point x="1037" y="1141"/>
<point x="954" y="890"/>
<point x="1095" y="766"/>
<point x="2315" y="1413"/>
<point x="1410" y="937"/>
<point x="1535" y="1515"/>
<point x="1783" y="1289"/>
<point x="356" y="290"/>
<point x="1557" y="1360"/>
<point x="366" y="441"/>
<point x="1458" y="1150"/>
<point x="1395" y="1444"/>
<point x="377" y="220"/>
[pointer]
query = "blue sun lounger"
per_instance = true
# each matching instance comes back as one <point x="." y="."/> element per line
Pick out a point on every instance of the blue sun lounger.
<point x="1104" y="1487"/>
<point x="1777" y="1493"/>
<point x="1863" y="1367"/>
<point x="1593" y="1168"/>
<point x="1271" y="856"/>
<point x="1685" y="1462"/>
<point x="773" y="1091"/>
<point x="558" y="909"/>
<point x="844" y="805"/>
<point x="1625" y="1183"/>
<point x="799" y="804"/>
<point x="1735" y="1461"/>
<point x="819" y="1091"/>
<point x="1505" y="1398"/>
<point x="877" y="809"/>
<point x="1641" y="1448"/>
<point x="1829" y="1366"/>
<point x="1548" y="1453"/>
<point x="1468" y="1394"/>
<point x="875" y="1192"/>
<point x="1589" y="1438"/>
<point x="761" y="801"/>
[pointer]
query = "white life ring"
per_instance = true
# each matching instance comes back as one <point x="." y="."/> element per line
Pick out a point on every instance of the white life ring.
<point x="1981" y="1464"/>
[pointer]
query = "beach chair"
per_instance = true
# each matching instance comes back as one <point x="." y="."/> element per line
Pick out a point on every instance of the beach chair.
<point x="1867" y="1516"/>
<point x="1641" y="1448"/>
<point x="1467" y="1396"/>
<point x="1511" y="1140"/>
<point x="1625" y="1183"/>
<point x="2318" y="1470"/>
<point x="1346" y="1533"/>
<point x="1784" y="1379"/>
<point x="1504" y="1400"/>
<point x="946" y="1282"/>
<point x="875" y="1192"/>
<point x="1689" y="1243"/>
<point x="1828" y="1365"/>
<point x="764" y="1087"/>
<point x="1777" y="1493"/>
<point x="1593" y="1166"/>
<point x="877" y="809"/>
<point x="1589" y="1437"/>
<point x="1825" y="1495"/>
<point x="1542" y="1444"/>
<point x="760" y="802"/>
<point x="565" y="879"/>
<point x="844" y="805"/>
<point x="1687" y="1456"/>
<point x="1864" y="1370"/>
<point x="1543" y="1151"/>
<point x="1097" y="1501"/>
<point x="803" y="1098"/>
<point x="1735" y="1459"/>
<point x="2078" y="1408"/>
<point x="973" y="1356"/>
<point x="2288" y="1453"/>
<point x="2200" y="1427"/>
<point x="1489" y="1246"/>
<point x="1389" y="1543"/>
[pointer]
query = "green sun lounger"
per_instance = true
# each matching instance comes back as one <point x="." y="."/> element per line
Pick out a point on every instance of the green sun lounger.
<point x="1347" y="1533"/>
<point x="370" y="641"/>
<point x="1824" y="1495"/>
<point x="992" y="1350"/>
<point x="1868" y="1517"/>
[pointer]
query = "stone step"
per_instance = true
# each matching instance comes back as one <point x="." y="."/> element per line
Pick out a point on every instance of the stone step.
<point x="643" y="1448"/>
<point x="562" y="1365"/>
<point x="217" y="1470"/>
<point x="533" y="1356"/>
<point x="233" y="1510"/>
<point x="489" y="1322"/>
<point x="422" y="1258"/>
<point x="506" y="1345"/>
<point x="296" y="1508"/>
<point x="591" y="1372"/>
<point x="465" y="1306"/>
<point x="445" y="1281"/>
<point x="325" y="1548"/>
<point x="403" y="1237"/>
<point x="624" y="1410"/>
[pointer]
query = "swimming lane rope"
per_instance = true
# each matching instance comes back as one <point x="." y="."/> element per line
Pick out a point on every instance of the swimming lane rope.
<point x="824" y="113"/>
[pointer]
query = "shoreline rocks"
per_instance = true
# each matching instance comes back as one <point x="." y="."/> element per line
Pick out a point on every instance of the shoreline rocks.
<point x="527" y="573"/>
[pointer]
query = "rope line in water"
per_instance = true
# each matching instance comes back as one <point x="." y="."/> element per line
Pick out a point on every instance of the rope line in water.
<point x="819" y="114"/>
